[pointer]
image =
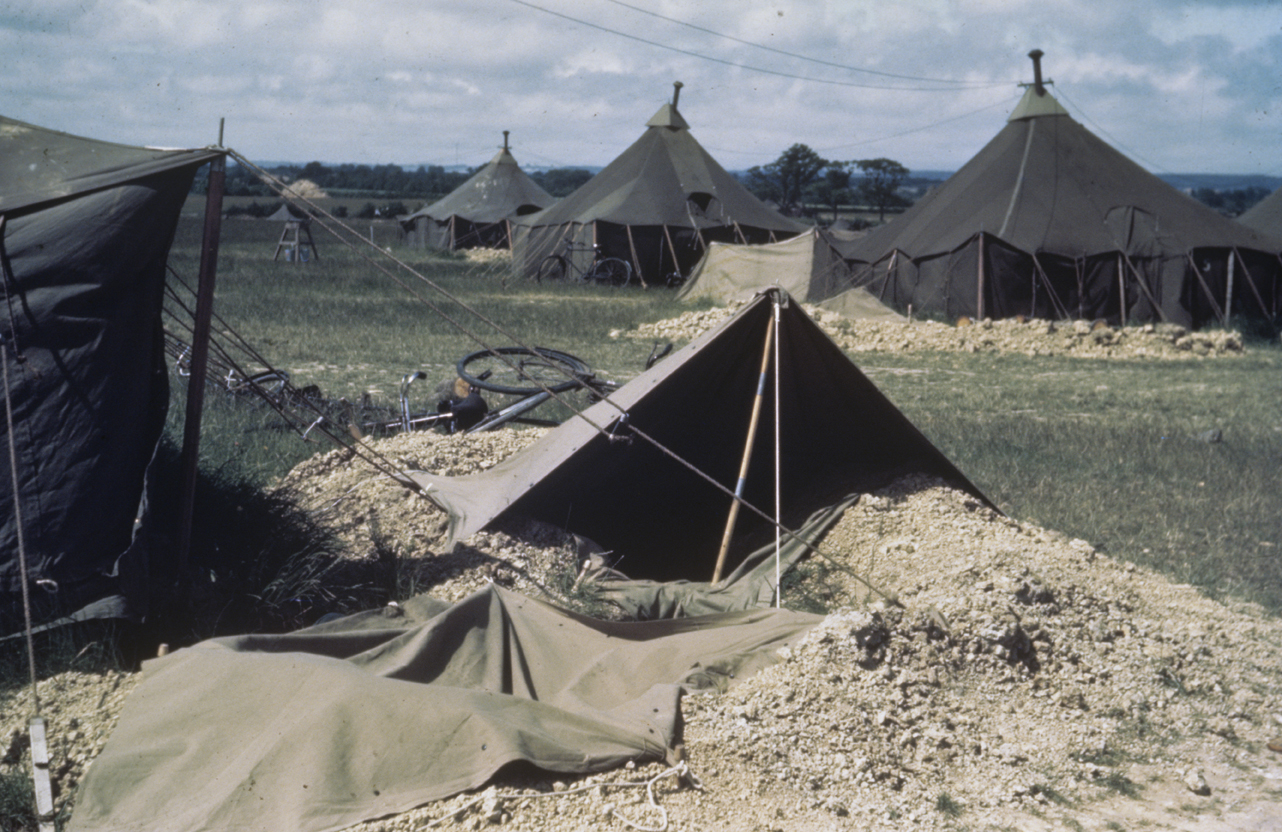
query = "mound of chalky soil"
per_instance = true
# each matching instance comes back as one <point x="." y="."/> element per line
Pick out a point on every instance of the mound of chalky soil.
<point x="1084" y="339"/>
<point x="971" y="672"/>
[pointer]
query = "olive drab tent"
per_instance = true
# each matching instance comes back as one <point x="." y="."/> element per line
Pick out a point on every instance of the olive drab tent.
<point x="1266" y="215"/>
<point x="87" y="227"/>
<point x="808" y="267"/>
<point x="657" y="206"/>
<point x="1047" y="220"/>
<point x="479" y="213"/>
<point x="601" y="478"/>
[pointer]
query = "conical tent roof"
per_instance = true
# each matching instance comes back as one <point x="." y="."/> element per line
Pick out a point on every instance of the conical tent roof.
<point x="1047" y="188"/>
<point x="665" y="178"/>
<point x="500" y="190"/>
<point x="1266" y="215"/>
<point x="656" y="206"/>
<point x="87" y="227"/>
<point x="1047" y="184"/>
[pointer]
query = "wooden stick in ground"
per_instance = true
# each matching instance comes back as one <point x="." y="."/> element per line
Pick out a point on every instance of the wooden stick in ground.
<point x="747" y="451"/>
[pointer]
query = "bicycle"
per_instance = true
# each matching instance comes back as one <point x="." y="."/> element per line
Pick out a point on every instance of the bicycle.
<point x="610" y="271"/>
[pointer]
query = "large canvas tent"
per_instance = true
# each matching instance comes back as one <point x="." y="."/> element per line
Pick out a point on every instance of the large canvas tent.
<point x="1266" y="215"/>
<point x="87" y="227"/>
<point x="479" y="213"/>
<point x="658" y="206"/>
<point x="838" y="435"/>
<point x="808" y="267"/>
<point x="1048" y="220"/>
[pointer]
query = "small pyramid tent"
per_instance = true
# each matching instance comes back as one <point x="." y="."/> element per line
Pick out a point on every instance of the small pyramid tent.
<point x="808" y="267"/>
<point x="86" y="230"/>
<point x="1266" y="215"/>
<point x="478" y="213"/>
<point x="1049" y="221"/>
<point x="839" y="435"/>
<point x="658" y="206"/>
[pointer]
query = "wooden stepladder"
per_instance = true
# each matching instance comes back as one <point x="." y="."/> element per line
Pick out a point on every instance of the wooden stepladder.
<point x="296" y="242"/>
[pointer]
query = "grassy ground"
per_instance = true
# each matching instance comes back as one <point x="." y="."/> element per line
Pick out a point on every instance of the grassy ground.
<point x="1103" y="450"/>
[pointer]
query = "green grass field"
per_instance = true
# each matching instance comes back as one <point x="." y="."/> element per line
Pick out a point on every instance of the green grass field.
<point x="1102" y="450"/>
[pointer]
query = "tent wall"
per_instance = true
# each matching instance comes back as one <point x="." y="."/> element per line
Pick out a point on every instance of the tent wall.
<point x="85" y="278"/>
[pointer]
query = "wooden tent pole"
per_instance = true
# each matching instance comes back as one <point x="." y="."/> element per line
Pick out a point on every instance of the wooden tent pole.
<point x="1215" y="306"/>
<point x="636" y="261"/>
<point x="1121" y="287"/>
<point x="747" y="452"/>
<point x="1228" y="290"/>
<point x="1139" y="280"/>
<point x="199" y="360"/>
<point x="676" y="264"/>
<point x="979" y="291"/>
<point x="1251" y="283"/>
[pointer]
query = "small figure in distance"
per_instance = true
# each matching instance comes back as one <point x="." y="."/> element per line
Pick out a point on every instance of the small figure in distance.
<point x="465" y="404"/>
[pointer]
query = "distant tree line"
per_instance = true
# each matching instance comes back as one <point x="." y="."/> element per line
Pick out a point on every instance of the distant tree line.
<point x="1231" y="203"/>
<point x="426" y="183"/>
<point x="800" y="179"/>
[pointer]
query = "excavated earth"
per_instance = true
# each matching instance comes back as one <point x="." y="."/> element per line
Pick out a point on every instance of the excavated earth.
<point x="974" y="672"/>
<point x="1031" y="337"/>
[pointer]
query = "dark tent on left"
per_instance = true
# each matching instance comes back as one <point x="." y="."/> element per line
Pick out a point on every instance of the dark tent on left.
<point x="87" y="227"/>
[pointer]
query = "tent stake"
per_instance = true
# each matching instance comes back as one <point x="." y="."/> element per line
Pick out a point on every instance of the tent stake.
<point x="747" y="451"/>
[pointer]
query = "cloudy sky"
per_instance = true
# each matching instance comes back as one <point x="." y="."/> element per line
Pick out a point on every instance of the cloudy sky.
<point x="1181" y="87"/>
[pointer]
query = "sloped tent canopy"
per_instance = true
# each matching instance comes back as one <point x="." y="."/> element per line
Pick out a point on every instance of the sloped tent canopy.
<point x="1266" y="215"/>
<point x="285" y="213"/>
<point x="808" y="267"/>
<point x="838" y="436"/>
<point x="1049" y="221"/>
<point x="478" y="213"/>
<point x="658" y="206"/>
<point x="87" y="227"/>
<point x="375" y="714"/>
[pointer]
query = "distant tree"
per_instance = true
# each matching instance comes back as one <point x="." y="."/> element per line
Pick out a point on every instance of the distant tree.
<point x="561" y="182"/>
<point x="880" y="184"/>
<point x="1231" y="202"/>
<point x="786" y="178"/>
<point x="833" y="188"/>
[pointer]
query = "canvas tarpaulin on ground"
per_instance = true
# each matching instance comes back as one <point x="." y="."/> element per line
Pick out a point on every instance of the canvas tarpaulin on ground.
<point x="86" y="232"/>
<point x="838" y="435"/>
<point x="373" y="715"/>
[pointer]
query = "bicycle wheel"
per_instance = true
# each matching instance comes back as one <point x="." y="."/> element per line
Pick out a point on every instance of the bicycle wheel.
<point x="612" y="272"/>
<point x="520" y="372"/>
<point x="553" y="268"/>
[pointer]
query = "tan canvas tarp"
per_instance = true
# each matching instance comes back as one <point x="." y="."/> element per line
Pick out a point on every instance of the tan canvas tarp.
<point x="373" y="715"/>
<point x="807" y="267"/>
<point x="858" y="304"/>
<point x="1266" y="215"/>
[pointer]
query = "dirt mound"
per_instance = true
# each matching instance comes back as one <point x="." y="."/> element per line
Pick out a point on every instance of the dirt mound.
<point x="1030" y="337"/>
<point x="1019" y="679"/>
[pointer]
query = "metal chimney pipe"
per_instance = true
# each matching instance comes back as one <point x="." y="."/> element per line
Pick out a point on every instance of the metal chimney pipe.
<point x="505" y="132"/>
<point x="1036" y="55"/>
<point x="676" y="92"/>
